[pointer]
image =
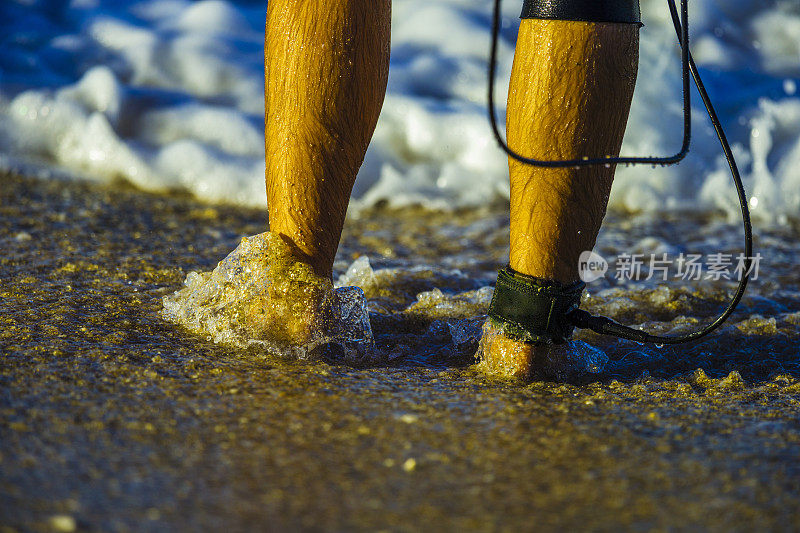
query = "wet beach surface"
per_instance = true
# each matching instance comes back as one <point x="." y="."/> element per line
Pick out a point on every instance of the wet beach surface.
<point x="112" y="419"/>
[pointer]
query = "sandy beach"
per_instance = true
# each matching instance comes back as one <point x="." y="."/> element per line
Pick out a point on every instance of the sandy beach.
<point x="113" y="420"/>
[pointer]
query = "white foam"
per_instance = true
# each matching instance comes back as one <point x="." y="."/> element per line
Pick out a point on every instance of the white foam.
<point x="169" y="94"/>
<point x="233" y="304"/>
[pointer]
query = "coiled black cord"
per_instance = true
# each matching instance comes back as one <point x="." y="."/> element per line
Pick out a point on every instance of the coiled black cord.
<point x="601" y="324"/>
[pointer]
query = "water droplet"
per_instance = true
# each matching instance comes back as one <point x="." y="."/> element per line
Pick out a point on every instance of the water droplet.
<point x="660" y="345"/>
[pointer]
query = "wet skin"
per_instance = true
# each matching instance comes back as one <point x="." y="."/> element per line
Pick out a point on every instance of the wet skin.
<point x="326" y="67"/>
<point x="569" y="97"/>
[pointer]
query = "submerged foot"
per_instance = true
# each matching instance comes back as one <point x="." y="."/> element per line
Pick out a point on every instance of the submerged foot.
<point x="502" y="356"/>
<point x="297" y="302"/>
<point x="260" y="292"/>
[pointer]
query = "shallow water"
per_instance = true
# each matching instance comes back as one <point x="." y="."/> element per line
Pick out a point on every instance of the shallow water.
<point x="113" y="419"/>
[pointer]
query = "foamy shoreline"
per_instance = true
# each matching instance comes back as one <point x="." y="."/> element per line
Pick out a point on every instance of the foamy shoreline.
<point x="169" y="95"/>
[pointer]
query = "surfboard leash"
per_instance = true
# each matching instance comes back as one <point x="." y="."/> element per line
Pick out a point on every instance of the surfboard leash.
<point x="536" y="310"/>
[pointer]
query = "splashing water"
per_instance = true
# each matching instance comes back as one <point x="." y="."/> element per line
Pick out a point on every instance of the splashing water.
<point x="169" y="95"/>
<point x="260" y="295"/>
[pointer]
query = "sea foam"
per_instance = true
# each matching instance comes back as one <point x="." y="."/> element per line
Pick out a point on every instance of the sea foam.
<point x="259" y="295"/>
<point x="169" y="95"/>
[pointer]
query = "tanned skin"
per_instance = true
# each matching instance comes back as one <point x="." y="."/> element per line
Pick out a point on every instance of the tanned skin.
<point x="326" y="67"/>
<point x="570" y="94"/>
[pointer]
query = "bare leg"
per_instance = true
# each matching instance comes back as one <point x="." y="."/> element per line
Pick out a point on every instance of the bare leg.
<point x="570" y="93"/>
<point x="326" y="67"/>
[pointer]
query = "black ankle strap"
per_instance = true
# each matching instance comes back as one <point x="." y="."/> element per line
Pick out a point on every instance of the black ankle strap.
<point x="533" y="309"/>
<point x="583" y="10"/>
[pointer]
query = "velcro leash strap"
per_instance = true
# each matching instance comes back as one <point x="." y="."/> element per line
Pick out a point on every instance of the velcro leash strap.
<point x="533" y="309"/>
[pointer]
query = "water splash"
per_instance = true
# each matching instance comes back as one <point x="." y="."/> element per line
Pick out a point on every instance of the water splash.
<point x="260" y="295"/>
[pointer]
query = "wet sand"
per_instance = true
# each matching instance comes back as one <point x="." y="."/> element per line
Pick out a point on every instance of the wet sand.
<point x="113" y="420"/>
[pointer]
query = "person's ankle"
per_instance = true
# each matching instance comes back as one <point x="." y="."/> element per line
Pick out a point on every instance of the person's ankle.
<point x="297" y="298"/>
<point x="502" y="355"/>
<point x="528" y="313"/>
<point x="321" y="263"/>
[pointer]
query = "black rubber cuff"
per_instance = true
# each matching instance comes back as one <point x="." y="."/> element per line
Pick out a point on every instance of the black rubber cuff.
<point x="583" y="10"/>
<point x="532" y="309"/>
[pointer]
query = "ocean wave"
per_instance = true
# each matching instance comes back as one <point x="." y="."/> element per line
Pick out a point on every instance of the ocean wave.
<point x="169" y="95"/>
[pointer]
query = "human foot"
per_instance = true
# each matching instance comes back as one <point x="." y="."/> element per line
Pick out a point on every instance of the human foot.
<point x="297" y="301"/>
<point x="503" y="356"/>
<point x="260" y="292"/>
<point x="527" y="316"/>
